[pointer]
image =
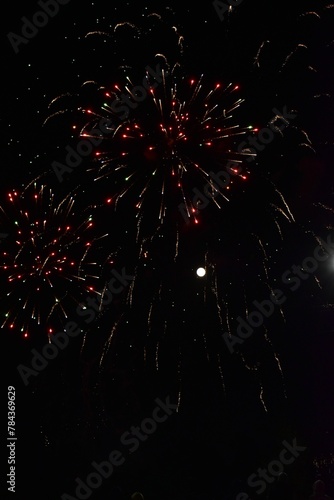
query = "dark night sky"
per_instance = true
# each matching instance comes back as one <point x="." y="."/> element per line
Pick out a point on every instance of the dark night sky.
<point x="211" y="446"/>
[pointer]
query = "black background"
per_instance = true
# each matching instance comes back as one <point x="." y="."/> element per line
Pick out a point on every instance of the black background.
<point x="208" y="450"/>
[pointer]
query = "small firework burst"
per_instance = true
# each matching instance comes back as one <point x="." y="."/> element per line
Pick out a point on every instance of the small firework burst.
<point x="46" y="266"/>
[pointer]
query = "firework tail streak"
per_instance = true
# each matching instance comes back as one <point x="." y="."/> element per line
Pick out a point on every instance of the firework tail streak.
<point x="94" y="138"/>
<point x="60" y="340"/>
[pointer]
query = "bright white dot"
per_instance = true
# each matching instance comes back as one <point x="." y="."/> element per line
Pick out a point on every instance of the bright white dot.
<point x="201" y="272"/>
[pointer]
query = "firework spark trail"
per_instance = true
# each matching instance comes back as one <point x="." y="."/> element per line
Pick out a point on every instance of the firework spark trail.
<point x="179" y="378"/>
<point x="325" y="207"/>
<point x="292" y="53"/>
<point x="278" y="362"/>
<point x="288" y="214"/>
<point x="308" y="146"/>
<point x="157" y="356"/>
<point x="216" y="294"/>
<point x="258" y="54"/>
<point x="255" y="370"/>
<point x="108" y="343"/>
<point x="262" y="399"/>
<point x="306" y="135"/>
<point x="316" y="279"/>
<point x="221" y="373"/>
<point x="177" y="245"/>
<point x="264" y="253"/>
<point x="315" y="14"/>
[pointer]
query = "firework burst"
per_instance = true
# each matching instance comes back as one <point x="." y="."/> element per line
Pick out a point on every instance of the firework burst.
<point x="161" y="137"/>
<point x="46" y="259"/>
<point x="169" y="144"/>
<point x="156" y="156"/>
